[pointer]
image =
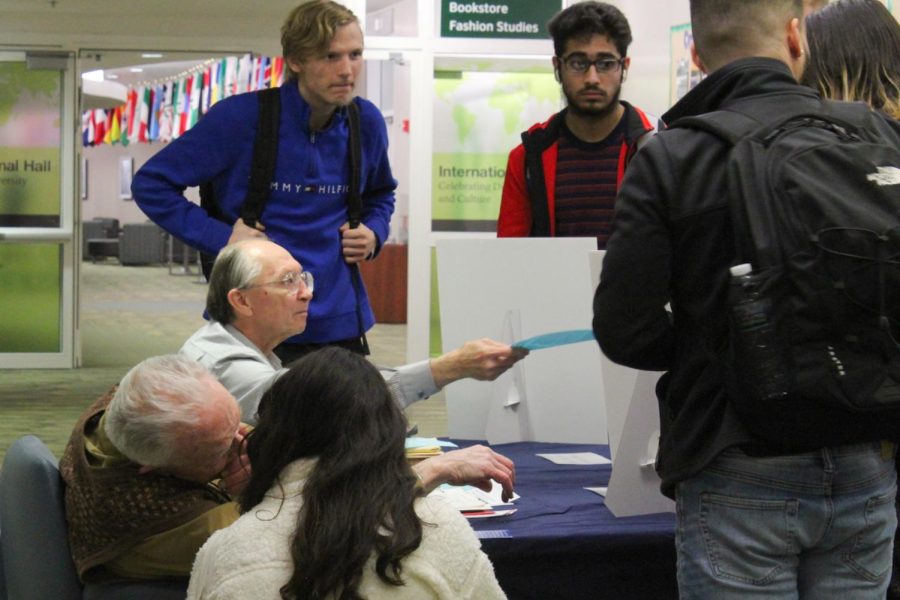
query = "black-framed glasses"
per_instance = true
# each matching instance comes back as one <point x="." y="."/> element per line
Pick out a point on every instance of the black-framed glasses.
<point x="292" y="282"/>
<point x="579" y="63"/>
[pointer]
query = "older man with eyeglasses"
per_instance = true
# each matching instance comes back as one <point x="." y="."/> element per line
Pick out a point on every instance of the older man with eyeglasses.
<point x="259" y="295"/>
<point x="563" y="178"/>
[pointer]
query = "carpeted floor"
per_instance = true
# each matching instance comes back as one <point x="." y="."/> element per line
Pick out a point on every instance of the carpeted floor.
<point x="128" y="314"/>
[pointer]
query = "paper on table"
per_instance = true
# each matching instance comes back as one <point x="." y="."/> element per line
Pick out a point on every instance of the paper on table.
<point x="577" y="458"/>
<point x="421" y="442"/>
<point x="493" y="497"/>
<point x="600" y="491"/>
<point x="467" y="498"/>
<point x="557" y="338"/>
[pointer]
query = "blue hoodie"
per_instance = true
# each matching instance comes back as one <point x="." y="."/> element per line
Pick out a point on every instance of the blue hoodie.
<point x="307" y="202"/>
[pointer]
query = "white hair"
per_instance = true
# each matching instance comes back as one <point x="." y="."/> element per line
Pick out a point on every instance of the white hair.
<point x="156" y="404"/>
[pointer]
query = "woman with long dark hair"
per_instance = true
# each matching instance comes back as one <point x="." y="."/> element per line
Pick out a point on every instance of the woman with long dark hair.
<point x="332" y="509"/>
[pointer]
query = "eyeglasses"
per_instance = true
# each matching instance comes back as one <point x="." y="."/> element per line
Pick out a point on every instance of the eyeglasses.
<point x="579" y="63"/>
<point x="292" y="282"/>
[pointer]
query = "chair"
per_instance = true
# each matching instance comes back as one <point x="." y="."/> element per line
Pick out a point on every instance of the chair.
<point x="142" y="244"/>
<point x="34" y="549"/>
<point x="33" y="545"/>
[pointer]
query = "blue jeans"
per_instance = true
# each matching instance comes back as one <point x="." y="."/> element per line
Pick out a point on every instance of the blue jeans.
<point x="818" y="525"/>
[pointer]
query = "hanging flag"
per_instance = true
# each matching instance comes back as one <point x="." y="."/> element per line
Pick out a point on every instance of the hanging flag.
<point x="86" y="129"/>
<point x="231" y="76"/>
<point x="215" y="83"/>
<point x="254" y="76"/>
<point x="129" y="117"/>
<point x="143" y="114"/>
<point x="244" y="74"/>
<point x="167" y="114"/>
<point x="155" y="109"/>
<point x="265" y="73"/>
<point x="134" y="122"/>
<point x="207" y="89"/>
<point x="99" y="130"/>
<point x="107" y="135"/>
<point x="115" y="131"/>
<point x="196" y="91"/>
<point x="182" y="107"/>
<point x="123" y="123"/>
<point x="277" y="71"/>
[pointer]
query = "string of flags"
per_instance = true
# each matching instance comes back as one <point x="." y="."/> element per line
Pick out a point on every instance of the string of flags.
<point x="162" y="110"/>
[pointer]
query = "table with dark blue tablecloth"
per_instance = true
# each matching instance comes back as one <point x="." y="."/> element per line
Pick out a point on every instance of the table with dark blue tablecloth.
<point x="565" y="544"/>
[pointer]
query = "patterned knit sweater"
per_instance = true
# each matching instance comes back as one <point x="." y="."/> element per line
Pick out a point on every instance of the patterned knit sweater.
<point x="112" y="508"/>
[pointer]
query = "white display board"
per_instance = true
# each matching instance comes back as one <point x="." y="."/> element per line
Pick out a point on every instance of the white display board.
<point x="632" y="414"/>
<point x="509" y="289"/>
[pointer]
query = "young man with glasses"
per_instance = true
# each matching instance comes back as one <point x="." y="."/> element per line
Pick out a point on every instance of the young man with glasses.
<point x="563" y="178"/>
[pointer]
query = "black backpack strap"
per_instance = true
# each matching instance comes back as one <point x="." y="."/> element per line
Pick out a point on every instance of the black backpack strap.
<point x="262" y="170"/>
<point x="265" y="154"/>
<point x="354" y="200"/>
<point x="535" y="143"/>
<point x="731" y="127"/>
<point x="354" y="210"/>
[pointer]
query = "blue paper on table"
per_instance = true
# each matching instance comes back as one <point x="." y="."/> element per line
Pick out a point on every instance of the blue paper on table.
<point x="421" y="442"/>
<point x="557" y="338"/>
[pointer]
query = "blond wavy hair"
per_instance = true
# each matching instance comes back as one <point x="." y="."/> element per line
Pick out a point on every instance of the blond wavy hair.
<point x="309" y="28"/>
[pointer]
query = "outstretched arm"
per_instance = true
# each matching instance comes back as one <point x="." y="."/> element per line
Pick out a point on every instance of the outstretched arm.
<point x="475" y="466"/>
<point x="483" y="359"/>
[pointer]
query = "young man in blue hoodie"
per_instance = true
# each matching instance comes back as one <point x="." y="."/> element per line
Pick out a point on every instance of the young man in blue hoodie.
<point x="306" y="210"/>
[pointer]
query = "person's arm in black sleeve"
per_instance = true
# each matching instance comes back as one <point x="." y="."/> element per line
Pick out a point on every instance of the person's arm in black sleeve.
<point x="631" y="322"/>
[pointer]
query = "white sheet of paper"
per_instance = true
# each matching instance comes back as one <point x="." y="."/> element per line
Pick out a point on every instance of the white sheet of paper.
<point x="600" y="491"/>
<point x="468" y="498"/>
<point x="576" y="458"/>
<point x="494" y="497"/>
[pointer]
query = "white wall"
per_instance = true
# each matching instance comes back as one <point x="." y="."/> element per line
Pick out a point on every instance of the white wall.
<point x="103" y="181"/>
<point x="647" y="85"/>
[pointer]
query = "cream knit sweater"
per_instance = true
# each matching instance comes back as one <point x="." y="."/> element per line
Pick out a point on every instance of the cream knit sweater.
<point x="251" y="558"/>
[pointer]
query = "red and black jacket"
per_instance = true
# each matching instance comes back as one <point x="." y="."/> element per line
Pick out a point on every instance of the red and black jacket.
<point x="527" y="207"/>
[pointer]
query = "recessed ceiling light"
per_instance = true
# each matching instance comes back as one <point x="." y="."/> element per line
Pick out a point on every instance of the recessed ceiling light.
<point x="151" y="55"/>
<point x="112" y="76"/>
<point x="136" y="70"/>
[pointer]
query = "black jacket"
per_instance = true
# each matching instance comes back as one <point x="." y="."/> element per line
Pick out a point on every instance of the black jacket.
<point x="672" y="242"/>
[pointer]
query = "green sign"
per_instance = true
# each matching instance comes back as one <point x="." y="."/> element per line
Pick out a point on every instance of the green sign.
<point x="496" y="18"/>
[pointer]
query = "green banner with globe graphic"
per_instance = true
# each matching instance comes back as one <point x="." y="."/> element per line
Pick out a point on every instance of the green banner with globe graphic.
<point x="478" y="118"/>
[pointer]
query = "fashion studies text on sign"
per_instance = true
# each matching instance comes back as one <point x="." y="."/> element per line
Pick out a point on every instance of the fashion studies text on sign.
<point x="496" y="19"/>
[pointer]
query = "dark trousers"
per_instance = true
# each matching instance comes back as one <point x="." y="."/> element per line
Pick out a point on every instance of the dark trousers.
<point x="289" y="353"/>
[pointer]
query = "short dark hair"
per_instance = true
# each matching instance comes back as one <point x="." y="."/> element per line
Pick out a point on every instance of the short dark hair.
<point x="860" y="63"/>
<point x="585" y="19"/>
<point x="726" y="30"/>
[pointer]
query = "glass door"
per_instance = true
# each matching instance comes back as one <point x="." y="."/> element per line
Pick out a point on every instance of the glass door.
<point x="37" y="190"/>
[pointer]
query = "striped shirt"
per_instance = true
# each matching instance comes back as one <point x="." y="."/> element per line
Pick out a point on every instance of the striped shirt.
<point x="586" y="184"/>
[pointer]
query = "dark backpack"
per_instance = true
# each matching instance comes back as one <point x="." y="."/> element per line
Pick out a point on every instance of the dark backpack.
<point x="815" y="205"/>
<point x="262" y="170"/>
